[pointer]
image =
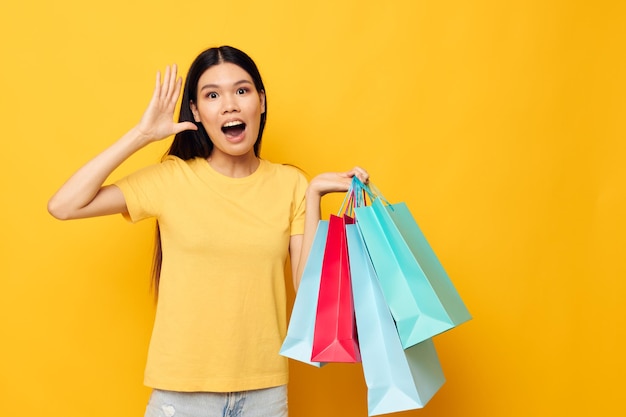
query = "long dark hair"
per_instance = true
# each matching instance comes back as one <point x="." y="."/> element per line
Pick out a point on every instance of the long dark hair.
<point x="190" y="144"/>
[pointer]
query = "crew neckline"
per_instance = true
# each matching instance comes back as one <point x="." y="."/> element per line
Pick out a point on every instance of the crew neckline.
<point x="206" y="167"/>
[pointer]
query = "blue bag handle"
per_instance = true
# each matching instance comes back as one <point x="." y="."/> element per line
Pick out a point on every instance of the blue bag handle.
<point x="355" y="197"/>
<point x="368" y="189"/>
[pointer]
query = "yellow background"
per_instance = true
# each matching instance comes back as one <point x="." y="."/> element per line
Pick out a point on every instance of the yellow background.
<point x="501" y="124"/>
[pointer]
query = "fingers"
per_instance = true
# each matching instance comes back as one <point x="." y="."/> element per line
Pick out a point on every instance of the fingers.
<point x="172" y="83"/>
<point x="167" y="90"/>
<point x="179" y="127"/>
<point x="156" y="121"/>
<point x="176" y="92"/>
<point x="360" y="173"/>
<point x="157" y="86"/>
<point x="165" y="87"/>
<point x="332" y="182"/>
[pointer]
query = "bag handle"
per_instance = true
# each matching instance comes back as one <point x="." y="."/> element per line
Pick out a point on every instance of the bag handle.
<point x="347" y="206"/>
<point x="355" y="197"/>
<point x="368" y="189"/>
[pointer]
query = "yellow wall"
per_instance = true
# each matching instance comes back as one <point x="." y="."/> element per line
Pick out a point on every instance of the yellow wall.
<point x="500" y="123"/>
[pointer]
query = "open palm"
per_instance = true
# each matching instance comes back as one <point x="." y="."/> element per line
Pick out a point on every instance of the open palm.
<point x="157" y="121"/>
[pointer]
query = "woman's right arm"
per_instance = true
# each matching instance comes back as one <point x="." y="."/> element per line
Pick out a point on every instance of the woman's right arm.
<point x="300" y="245"/>
<point x="83" y="194"/>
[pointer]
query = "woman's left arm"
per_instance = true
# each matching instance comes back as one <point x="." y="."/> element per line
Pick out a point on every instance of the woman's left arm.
<point x="330" y="182"/>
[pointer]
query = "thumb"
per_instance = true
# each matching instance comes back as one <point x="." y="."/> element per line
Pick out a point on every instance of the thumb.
<point x="179" y="127"/>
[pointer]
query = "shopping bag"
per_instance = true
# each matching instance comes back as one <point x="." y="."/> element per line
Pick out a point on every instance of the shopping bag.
<point x="298" y="343"/>
<point x="335" y="337"/>
<point x="397" y="380"/>
<point x="420" y="295"/>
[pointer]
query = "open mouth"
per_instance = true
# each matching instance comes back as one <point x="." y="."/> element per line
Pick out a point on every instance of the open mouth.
<point x="234" y="128"/>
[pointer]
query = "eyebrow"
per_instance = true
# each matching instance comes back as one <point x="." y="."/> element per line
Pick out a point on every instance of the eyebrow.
<point x="240" y="82"/>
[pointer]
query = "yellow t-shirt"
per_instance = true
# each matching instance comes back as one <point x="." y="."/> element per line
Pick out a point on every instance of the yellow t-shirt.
<point x="221" y="316"/>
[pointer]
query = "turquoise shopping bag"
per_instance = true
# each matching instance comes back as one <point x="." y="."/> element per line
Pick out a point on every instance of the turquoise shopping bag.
<point x="420" y="295"/>
<point x="397" y="380"/>
<point x="298" y="343"/>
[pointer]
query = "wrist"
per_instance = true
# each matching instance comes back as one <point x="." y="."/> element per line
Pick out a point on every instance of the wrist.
<point x="312" y="193"/>
<point x="139" y="137"/>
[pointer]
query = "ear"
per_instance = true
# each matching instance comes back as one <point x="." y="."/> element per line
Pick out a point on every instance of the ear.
<point x="262" y="97"/>
<point x="194" y="110"/>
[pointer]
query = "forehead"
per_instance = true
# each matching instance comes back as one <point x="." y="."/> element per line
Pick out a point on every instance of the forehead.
<point x="223" y="74"/>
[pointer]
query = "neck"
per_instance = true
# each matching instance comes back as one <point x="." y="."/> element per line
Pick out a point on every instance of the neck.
<point x="234" y="166"/>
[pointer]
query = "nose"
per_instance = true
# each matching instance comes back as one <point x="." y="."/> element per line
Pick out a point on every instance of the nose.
<point x="230" y="104"/>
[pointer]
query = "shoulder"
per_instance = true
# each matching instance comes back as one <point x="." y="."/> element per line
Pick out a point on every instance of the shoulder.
<point x="285" y="181"/>
<point x="170" y="167"/>
<point x="174" y="162"/>
<point x="285" y="172"/>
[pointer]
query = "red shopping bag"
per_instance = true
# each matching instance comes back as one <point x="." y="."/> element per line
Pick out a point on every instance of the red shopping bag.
<point x="335" y="336"/>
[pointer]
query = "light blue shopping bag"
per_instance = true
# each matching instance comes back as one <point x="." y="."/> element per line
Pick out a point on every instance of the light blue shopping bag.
<point x="397" y="380"/>
<point x="420" y="295"/>
<point x="298" y="343"/>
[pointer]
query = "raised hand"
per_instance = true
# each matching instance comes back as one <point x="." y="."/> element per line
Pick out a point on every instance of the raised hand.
<point x="157" y="121"/>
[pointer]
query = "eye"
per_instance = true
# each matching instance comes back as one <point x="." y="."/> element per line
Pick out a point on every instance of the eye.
<point x="242" y="90"/>
<point x="211" y="95"/>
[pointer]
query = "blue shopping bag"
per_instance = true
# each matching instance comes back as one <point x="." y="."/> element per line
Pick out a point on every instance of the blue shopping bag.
<point x="298" y="343"/>
<point x="397" y="379"/>
<point x="420" y="295"/>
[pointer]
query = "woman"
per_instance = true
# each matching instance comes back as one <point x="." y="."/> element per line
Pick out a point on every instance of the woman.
<point x="227" y="220"/>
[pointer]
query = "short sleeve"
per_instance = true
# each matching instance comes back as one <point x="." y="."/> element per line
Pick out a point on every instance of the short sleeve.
<point x="299" y="206"/>
<point x="143" y="191"/>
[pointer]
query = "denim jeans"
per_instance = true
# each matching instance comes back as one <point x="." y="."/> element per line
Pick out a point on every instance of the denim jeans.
<point x="269" y="402"/>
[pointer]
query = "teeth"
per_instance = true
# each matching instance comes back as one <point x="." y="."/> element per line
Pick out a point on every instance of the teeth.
<point x="233" y="123"/>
